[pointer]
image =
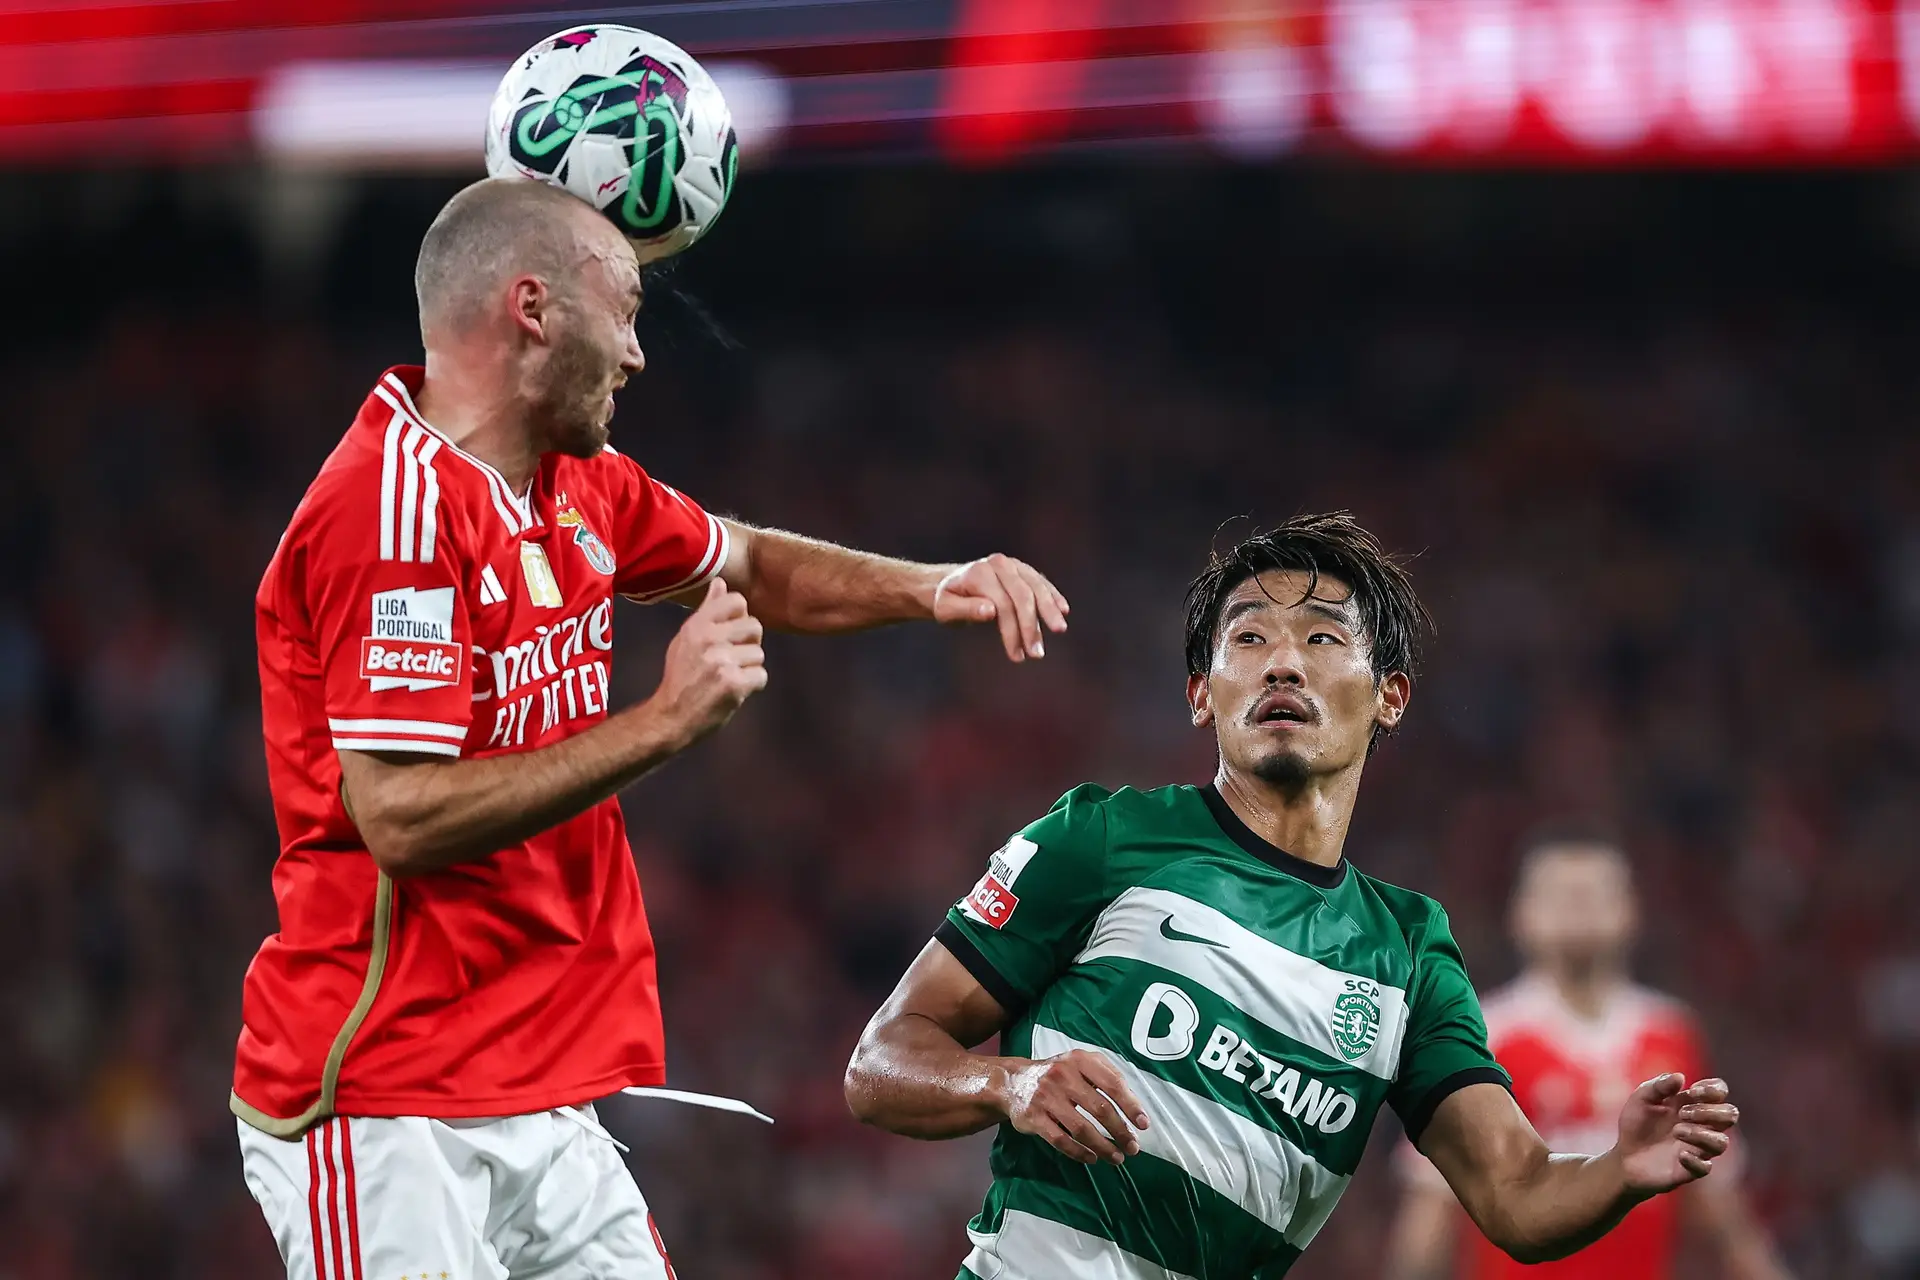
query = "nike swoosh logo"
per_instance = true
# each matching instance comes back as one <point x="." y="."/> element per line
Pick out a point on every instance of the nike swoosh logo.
<point x="1172" y="934"/>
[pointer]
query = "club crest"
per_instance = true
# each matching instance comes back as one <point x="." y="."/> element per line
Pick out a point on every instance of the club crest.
<point x="1356" y="1023"/>
<point x="591" y="547"/>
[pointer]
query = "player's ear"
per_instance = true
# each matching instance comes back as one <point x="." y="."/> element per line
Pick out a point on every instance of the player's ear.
<point x="1395" y="689"/>
<point x="527" y="306"/>
<point x="1200" y="701"/>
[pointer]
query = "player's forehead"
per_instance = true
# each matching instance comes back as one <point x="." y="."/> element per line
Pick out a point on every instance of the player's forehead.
<point x="1279" y="592"/>
<point x="607" y="256"/>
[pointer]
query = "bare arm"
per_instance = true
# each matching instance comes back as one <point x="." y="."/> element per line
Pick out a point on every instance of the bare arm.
<point x="1721" y="1213"/>
<point x="795" y="583"/>
<point x="1420" y="1246"/>
<point x="913" y="1072"/>
<point x="422" y="813"/>
<point x="1539" y="1206"/>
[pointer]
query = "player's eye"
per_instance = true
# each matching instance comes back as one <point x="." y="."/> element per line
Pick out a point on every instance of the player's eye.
<point x="1248" y="637"/>
<point x="1324" y="637"/>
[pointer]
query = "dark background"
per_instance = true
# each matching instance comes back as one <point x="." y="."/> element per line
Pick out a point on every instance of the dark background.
<point x="1651" y="436"/>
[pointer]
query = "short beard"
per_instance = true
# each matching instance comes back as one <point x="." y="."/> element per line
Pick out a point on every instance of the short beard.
<point x="567" y="410"/>
<point x="1282" y="769"/>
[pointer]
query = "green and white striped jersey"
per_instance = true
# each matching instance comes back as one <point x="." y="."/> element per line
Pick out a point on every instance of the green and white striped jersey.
<point x="1261" y="1008"/>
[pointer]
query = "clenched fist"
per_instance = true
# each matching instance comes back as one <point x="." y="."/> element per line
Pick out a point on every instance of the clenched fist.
<point x="713" y="665"/>
<point x="1074" y="1101"/>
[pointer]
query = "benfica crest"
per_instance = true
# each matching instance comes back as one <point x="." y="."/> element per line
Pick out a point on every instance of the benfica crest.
<point x="584" y="538"/>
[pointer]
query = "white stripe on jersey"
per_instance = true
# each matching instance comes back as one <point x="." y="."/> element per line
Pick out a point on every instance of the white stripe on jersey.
<point x="409" y="493"/>
<point x="515" y="511"/>
<point x="1291" y="993"/>
<point x="719" y="546"/>
<point x="429" y="498"/>
<point x="397" y="744"/>
<point x="428" y="728"/>
<point x="1276" y="1182"/>
<point x="389" y="469"/>
<point x="1030" y="1247"/>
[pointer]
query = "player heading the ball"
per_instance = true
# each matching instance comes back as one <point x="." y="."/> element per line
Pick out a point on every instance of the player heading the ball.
<point x="1204" y="1005"/>
<point x="463" y="961"/>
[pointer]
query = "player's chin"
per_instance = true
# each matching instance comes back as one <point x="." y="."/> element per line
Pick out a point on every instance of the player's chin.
<point x="1281" y="765"/>
<point x="589" y="436"/>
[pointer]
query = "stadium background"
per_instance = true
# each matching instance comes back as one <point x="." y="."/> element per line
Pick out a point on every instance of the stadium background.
<point x="1650" y="429"/>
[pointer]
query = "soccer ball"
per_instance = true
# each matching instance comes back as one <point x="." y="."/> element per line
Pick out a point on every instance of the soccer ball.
<point x="626" y="121"/>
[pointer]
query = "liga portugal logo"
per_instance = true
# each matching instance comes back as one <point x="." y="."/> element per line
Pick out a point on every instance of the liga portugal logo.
<point x="1356" y="1019"/>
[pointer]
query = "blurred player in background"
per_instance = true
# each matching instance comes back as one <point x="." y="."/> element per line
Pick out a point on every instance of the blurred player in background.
<point x="1204" y="1006"/>
<point x="1576" y="1035"/>
<point x="464" y="962"/>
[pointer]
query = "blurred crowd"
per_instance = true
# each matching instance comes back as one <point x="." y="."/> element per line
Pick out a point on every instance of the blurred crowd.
<point x="1674" y="556"/>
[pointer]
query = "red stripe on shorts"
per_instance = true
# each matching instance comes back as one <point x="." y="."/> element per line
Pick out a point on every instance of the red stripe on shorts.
<point x="333" y="1212"/>
<point x="353" y="1196"/>
<point x="313" y="1204"/>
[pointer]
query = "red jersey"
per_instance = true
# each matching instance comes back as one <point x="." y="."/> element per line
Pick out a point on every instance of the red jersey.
<point x="1572" y="1076"/>
<point x="417" y="604"/>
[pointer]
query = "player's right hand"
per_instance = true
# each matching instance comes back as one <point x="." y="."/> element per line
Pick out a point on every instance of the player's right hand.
<point x="1075" y="1101"/>
<point x="713" y="665"/>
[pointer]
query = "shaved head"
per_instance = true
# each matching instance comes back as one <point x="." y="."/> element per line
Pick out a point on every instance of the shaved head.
<point x="492" y="231"/>
<point x="531" y="293"/>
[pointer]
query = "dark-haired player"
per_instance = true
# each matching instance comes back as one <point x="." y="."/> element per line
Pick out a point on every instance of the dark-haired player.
<point x="1204" y="1005"/>
<point x="1576" y="1032"/>
<point x="463" y="961"/>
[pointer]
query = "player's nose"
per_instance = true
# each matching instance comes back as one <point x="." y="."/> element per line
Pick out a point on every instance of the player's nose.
<point x="633" y="359"/>
<point x="1284" y="666"/>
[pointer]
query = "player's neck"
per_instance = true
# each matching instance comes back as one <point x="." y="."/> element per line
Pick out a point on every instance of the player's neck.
<point x="1585" y="989"/>
<point x="1308" y="821"/>
<point x="482" y="416"/>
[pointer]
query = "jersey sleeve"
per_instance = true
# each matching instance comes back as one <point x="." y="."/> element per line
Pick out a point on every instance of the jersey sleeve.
<point x="1445" y="1048"/>
<point x="391" y="635"/>
<point x="663" y="541"/>
<point x="1029" y="913"/>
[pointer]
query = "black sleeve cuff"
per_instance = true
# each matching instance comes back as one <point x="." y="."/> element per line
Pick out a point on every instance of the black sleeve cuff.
<point x="955" y="940"/>
<point x="1415" y="1121"/>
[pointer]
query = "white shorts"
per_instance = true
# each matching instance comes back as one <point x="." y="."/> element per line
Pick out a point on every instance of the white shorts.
<point x="543" y="1195"/>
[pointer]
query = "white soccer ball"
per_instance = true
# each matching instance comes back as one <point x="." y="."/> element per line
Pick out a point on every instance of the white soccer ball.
<point x="626" y="121"/>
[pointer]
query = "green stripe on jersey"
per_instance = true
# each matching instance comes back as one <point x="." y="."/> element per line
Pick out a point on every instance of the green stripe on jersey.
<point x="1263" y="1011"/>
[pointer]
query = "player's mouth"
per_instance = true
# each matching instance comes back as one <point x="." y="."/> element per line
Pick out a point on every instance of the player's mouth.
<point x="1282" y="709"/>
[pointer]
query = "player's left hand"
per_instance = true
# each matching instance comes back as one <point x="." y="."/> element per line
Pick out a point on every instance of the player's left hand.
<point x="1671" y="1131"/>
<point x="998" y="588"/>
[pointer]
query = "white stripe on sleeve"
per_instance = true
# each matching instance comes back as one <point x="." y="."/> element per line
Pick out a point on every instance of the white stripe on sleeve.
<point x="426" y="728"/>
<point x="429" y="498"/>
<point x="409" y="493"/>
<point x="398" y="744"/>
<point x="389" y="466"/>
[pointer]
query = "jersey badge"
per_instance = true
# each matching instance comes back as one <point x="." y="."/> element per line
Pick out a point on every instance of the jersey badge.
<point x="584" y="538"/>
<point x="1356" y="1019"/>
<point x="992" y="901"/>
<point x="411" y="643"/>
<point x="542" y="588"/>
